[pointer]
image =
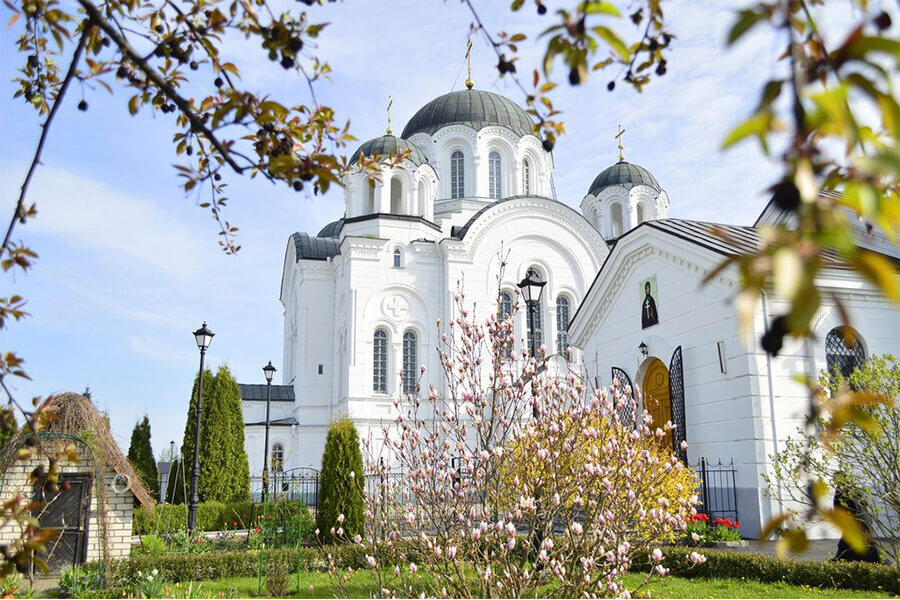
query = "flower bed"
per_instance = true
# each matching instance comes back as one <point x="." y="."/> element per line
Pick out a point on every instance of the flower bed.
<point x="702" y="530"/>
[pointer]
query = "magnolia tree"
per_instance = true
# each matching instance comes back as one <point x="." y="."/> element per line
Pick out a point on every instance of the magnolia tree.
<point x="513" y="481"/>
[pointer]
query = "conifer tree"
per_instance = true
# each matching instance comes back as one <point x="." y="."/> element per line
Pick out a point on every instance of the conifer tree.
<point x="341" y="490"/>
<point x="229" y="393"/>
<point x="140" y="453"/>
<point x="187" y="446"/>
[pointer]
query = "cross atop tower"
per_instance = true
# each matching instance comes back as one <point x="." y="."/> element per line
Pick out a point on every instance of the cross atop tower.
<point x="621" y="145"/>
<point x="469" y="83"/>
<point x="389" y="131"/>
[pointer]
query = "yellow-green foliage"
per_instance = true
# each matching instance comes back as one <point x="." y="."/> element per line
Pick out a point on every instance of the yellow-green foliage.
<point x="341" y="491"/>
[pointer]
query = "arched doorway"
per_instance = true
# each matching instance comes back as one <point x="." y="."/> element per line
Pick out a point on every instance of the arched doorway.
<point x="657" y="398"/>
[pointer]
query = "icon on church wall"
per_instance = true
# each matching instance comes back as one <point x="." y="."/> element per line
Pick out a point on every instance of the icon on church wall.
<point x="649" y="314"/>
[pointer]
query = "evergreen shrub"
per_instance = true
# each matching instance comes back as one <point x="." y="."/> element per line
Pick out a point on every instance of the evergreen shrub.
<point x="341" y="484"/>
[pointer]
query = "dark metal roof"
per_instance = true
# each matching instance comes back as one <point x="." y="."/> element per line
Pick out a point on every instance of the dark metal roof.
<point x="257" y="392"/>
<point x="275" y="422"/>
<point x="315" y="248"/>
<point x="475" y="108"/>
<point x="624" y="174"/>
<point x="389" y="145"/>
<point x="332" y="230"/>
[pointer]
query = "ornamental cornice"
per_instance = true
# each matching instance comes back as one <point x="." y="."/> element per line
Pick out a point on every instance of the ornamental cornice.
<point x="368" y="248"/>
<point x="547" y="209"/>
<point x="451" y="130"/>
<point x="496" y="130"/>
<point x="600" y="309"/>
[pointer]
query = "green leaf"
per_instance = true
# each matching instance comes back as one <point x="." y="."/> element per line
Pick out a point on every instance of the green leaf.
<point x="602" y="8"/>
<point x="850" y="529"/>
<point x="133" y="104"/>
<point x="757" y="125"/>
<point x="746" y="20"/>
<point x="613" y="40"/>
<point x="880" y="271"/>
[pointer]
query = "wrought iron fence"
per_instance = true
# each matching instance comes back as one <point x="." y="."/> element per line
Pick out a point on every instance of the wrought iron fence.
<point x="718" y="493"/>
<point x="294" y="484"/>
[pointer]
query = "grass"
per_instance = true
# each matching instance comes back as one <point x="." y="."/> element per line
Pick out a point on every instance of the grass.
<point x="318" y="585"/>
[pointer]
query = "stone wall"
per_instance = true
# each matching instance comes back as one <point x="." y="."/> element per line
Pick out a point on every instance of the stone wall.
<point x="119" y="506"/>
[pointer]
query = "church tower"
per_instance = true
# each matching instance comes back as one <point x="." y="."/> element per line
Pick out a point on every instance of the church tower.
<point x="622" y="197"/>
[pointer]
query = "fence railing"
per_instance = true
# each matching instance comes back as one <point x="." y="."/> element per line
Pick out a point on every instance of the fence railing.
<point x="718" y="493"/>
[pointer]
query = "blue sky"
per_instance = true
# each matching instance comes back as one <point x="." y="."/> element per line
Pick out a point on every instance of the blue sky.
<point x="129" y="266"/>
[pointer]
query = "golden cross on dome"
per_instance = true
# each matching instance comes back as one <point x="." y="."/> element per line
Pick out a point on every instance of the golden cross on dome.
<point x="621" y="145"/>
<point x="390" y="102"/>
<point x="469" y="83"/>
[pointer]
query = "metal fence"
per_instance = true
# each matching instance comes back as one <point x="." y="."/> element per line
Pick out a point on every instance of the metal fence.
<point x="718" y="493"/>
<point x="294" y="484"/>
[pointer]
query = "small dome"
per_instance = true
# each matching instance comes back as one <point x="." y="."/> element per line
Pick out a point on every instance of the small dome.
<point x="475" y="108"/>
<point x="624" y="174"/>
<point x="387" y="145"/>
<point x="332" y="230"/>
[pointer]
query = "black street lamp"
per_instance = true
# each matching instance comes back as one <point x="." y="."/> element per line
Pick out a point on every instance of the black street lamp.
<point x="269" y="372"/>
<point x="532" y="288"/>
<point x="204" y="337"/>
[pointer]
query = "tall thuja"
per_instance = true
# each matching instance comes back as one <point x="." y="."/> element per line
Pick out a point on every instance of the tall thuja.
<point x="341" y="491"/>
<point x="187" y="445"/>
<point x="237" y="488"/>
<point x="140" y="453"/>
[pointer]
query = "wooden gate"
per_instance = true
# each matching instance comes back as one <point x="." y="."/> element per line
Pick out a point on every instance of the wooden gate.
<point x="66" y="510"/>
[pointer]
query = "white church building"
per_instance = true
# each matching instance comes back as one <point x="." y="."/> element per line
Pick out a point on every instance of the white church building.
<point x="362" y="297"/>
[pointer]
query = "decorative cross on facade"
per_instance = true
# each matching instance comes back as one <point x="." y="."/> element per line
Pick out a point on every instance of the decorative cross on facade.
<point x="390" y="102"/>
<point x="396" y="306"/>
<point x="621" y="145"/>
<point x="469" y="83"/>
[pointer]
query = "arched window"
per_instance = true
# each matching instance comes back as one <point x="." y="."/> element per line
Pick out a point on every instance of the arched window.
<point x="422" y="209"/>
<point x="562" y="324"/>
<point x="396" y="196"/>
<point x="844" y="351"/>
<point x="526" y="177"/>
<point x="617" y="221"/>
<point x="506" y="306"/>
<point x="641" y="213"/>
<point x="410" y="362"/>
<point x="379" y="362"/>
<point x="457" y="175"/>
<point x="398" y="258"/>
<point x="277" y="457"/>
<point x="494" y="175"/>
<point x="370" y="198"/>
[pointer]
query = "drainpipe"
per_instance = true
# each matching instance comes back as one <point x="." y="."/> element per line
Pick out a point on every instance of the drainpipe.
<point x="772" y="419"/>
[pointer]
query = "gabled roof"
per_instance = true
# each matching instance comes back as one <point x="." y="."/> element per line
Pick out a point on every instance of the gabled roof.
<point x="315" y="248"/>
<point x="252" y="392"/>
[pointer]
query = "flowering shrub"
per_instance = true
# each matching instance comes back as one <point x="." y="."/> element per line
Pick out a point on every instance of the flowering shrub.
<point x="512" y="481"/>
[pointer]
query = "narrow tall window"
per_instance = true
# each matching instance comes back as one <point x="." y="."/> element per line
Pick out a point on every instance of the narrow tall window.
<point x="457" y="175"/>
<point x="379" y="362"/>
<point x="844" y="351"/>
<point x="562" y="324"/>
<point x="494" y="175"/>
<point x="535" y="326"/>
<point x="526" y="177"/>
<point x="398" y="259"/>
<point x="370" y="198"/>
<point x="506" y="305"/>
<point x="617" y="220"/>
<point x="641" y="214"/>
<point x="278" y="457"/>
<point x="410" y="362"/>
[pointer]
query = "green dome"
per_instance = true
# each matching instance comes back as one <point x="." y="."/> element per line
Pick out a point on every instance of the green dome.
<point x="624" y="174"/>
<point x="387" y="145"/>
<point x="474" y="108"/>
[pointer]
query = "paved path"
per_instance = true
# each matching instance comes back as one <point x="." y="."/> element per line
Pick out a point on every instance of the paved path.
<point x="818" y="549"/>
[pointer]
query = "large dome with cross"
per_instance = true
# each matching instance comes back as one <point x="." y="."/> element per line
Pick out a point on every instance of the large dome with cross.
<point x="474" y="108"/>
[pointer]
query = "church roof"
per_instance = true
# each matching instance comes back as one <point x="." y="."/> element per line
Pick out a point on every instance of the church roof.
<point x="624" y="174"/>
<point x="332" y="230"/>
<point x="315" y="248"/>
<point x="474" y="108"/>
<point x="257" y="391"/>
<point x="286" y="422"/>
<point x="459" y="233"/>
<point x="389" y="145"/>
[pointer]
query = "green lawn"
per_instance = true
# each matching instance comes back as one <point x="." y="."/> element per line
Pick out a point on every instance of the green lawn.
<point x="318" y="585"/>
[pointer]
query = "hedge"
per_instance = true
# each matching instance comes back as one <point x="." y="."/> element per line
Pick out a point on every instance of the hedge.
<point x="719" y="564"/>
<point x="211" y="516"/>
<point x="769" y="569"/>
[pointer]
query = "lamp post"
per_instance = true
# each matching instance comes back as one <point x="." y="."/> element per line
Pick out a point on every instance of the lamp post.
<point x="203" y="337"/>
<point x="644" y="349"/>
<point x="532" y="288"/>
<point x="269" y="372"/>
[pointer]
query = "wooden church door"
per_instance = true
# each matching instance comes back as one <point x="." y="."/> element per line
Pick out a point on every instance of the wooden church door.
<point x="657" y="398"/>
